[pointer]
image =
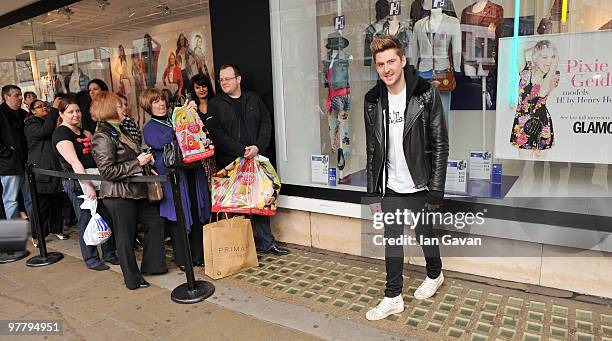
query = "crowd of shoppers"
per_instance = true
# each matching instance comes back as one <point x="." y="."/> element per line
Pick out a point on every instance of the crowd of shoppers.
<point x="95" y="134"/>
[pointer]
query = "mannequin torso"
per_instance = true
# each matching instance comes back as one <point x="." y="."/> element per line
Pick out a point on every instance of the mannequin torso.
<point x="479" y="6"/>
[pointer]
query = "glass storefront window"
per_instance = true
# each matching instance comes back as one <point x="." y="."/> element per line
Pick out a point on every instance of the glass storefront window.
<point x="127" y="44"/>
<point x="323" y="69"/>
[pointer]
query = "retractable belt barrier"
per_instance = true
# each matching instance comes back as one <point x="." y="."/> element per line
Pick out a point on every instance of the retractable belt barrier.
<point x="191" y="292"/>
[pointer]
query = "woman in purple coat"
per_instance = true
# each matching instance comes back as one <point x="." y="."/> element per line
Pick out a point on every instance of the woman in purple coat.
<point x="193" y="182"/>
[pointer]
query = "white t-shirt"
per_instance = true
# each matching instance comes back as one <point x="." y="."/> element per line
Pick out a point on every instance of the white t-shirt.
<point x="400" y="179"/>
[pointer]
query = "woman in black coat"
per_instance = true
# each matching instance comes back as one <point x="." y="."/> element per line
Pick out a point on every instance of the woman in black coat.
<point x="39" y="127"/>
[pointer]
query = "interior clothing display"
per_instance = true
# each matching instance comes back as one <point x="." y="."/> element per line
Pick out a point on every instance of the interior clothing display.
<point x="149" y="60"/>
<point x="338" y="102"/>
<point x="446" y="38"/>
<point x="76" y="81"/>
<point x="51" y="85"/>
<point x="531" y="105"/>
<point x="417" y="12"/>
<point x="386" y="26"/>
<point x="480" y="45"/>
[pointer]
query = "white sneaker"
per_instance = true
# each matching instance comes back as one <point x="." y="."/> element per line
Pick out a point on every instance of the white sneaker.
<point x="386" y="307"/>
<point x="429" y="287"/>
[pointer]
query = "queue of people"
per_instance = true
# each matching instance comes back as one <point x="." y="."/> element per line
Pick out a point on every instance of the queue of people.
<point x="97" y="135"/>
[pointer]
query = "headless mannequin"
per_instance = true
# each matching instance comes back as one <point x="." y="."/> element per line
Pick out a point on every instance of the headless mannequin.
<point x="479" y="6"/>
<point x="435" y="19"/>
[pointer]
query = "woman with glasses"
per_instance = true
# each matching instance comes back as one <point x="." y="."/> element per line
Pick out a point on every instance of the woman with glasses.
<point x="39" y="127"/>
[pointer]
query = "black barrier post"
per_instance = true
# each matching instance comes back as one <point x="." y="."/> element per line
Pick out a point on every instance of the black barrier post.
<point x="45" y="258"/>
<point x="193" y="291"/>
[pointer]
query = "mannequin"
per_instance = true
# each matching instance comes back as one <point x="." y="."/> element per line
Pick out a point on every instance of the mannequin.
<point x="482" y="26"/>
<point x="76" y="81"/>
<point x="338" y="103"/>
<point x="385" y="25"/>
<point x="444" y="32"/>
<point x="420" y="9"/>
<point x="121" y="69"/>
<point x="51" y="82"/>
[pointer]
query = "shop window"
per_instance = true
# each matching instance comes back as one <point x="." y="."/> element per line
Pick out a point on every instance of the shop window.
<point x="128" y="44"/>
<point x="323" y="69"/>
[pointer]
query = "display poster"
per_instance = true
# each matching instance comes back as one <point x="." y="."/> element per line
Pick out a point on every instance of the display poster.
<point x="456" y="177"/>
<point x="480" y="165"/>
<point x="319" y="165"/>
<point x="557" y="104"/>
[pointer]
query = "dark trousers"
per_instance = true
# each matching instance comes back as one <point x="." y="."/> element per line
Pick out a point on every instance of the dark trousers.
<point x="89" y="252"/>
<point x="196" y="243"/>
<point x="49" y="213"/>
<point x="264" y="240"/>
<point x="126" y="213"/>
<point x="394" y="254"/>
<point x="196" y="236"/>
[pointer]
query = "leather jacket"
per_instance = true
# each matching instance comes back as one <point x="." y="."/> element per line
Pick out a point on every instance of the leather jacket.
<point x="425" y="136"/>
<point x="116" y="157"/>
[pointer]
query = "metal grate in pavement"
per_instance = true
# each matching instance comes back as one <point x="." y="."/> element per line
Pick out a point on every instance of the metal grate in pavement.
<point x="460" y="310"/>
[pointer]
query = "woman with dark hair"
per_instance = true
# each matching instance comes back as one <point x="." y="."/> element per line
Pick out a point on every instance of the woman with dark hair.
<point x="193" y="181"/>
<point x="73" y="146"/>
<point x="94" y="87"/>
<point x="201" y="92"/>
<point x="118" y="157"/>
<point x="39" y="127"/>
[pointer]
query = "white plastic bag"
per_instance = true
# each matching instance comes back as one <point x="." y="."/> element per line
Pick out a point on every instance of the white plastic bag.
<point x="97" y="231"/>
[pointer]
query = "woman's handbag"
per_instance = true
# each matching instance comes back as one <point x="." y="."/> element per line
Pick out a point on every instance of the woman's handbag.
<point x="533" y="127"/>
<point x="173" y="157"/>
<point x="445" y="78"/>
<point x="155" y="192"/>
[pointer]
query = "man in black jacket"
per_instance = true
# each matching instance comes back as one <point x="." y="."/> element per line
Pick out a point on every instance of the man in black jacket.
<point x="407" y="152"/>
<point x="240" y="125"/>
<point x="13" y="151"/>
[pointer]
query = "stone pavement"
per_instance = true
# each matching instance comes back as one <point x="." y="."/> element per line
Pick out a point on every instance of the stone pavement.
<point x="307" y="295"/>
<point x="97" y="306"/>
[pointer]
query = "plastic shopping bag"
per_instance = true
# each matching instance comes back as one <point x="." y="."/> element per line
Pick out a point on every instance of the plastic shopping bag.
<point x="194" y="142"/>
<point x="250" y="187"/>
<point x="97" y="231"/>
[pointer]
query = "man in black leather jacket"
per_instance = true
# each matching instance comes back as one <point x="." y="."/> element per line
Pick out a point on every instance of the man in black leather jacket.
<point x="407" y="152"/>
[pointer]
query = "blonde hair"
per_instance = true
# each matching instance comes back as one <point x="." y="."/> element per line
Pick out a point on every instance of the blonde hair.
<point x="384" y="43"/>
<point x="147" y="97"/>
<point x="104" y="107"/>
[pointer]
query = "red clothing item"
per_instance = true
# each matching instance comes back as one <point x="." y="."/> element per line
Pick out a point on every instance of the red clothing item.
<point x="332" y="91"/>
<point x="177" y="77"/>
<point x="492" y="16"/>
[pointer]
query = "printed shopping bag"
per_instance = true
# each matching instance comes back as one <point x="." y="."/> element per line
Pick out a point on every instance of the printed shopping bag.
<point x="97" y="231"/>
<point x="250" y="186"/>
<point x="229" y="247"/>
<point x="194" y="142"/>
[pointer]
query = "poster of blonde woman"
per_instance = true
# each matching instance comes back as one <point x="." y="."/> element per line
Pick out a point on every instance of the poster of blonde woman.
<point x="554" y="98"/>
